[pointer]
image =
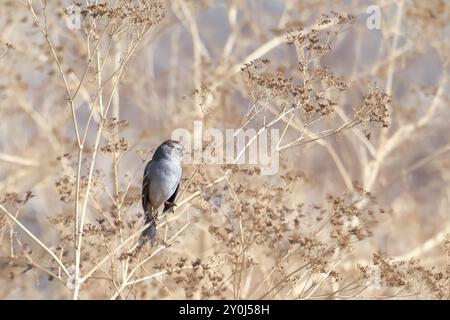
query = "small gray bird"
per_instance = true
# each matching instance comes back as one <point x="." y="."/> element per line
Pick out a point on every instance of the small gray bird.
<point x="160" y="185"/>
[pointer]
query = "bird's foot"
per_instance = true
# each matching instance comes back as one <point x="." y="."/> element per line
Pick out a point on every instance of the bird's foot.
<point x="170" y="205"/>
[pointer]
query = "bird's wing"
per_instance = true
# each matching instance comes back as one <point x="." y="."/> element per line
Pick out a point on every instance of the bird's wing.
<point x="146" y="191"/>
<point x="171" y="201"/>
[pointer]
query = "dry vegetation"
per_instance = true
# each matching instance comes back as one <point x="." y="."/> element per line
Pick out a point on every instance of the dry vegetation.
<point x="359" y="208"/>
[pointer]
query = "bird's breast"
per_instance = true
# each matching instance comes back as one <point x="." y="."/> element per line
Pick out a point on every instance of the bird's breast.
<point x="164" y="180"/>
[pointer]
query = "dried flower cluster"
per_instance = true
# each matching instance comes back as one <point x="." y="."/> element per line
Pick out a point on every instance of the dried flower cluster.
<point x="128" y="11"/>
<point x="374" y="107"/>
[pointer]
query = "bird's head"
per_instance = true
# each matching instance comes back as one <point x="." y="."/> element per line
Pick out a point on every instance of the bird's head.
<point x="169" y="149"/>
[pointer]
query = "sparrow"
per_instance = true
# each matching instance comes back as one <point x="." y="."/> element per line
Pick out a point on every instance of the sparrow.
<point x="160" y="184"/>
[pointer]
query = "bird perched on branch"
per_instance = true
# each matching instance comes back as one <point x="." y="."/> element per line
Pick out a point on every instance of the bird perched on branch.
<point x="160" y="185"/>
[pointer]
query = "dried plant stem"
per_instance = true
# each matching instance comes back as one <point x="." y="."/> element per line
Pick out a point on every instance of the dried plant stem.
<point x="197" y="49"/>
<point x="426" y="246"/>
<point x="127" y="283"/>
<point x="39" y="242"/>
<point x="18" y="160"/>
<point x="92" y="165"/>
<point x="345" y="175"/>
<point x="285" y="278"/>
<point x="44" y="32"/>
<point x="402" y="134"/>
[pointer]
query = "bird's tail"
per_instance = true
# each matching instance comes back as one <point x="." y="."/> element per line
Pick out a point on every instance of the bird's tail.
<point x="149" y="234"/>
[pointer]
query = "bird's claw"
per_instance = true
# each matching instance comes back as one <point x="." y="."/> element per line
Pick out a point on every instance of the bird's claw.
<point x="171" y="206"/>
